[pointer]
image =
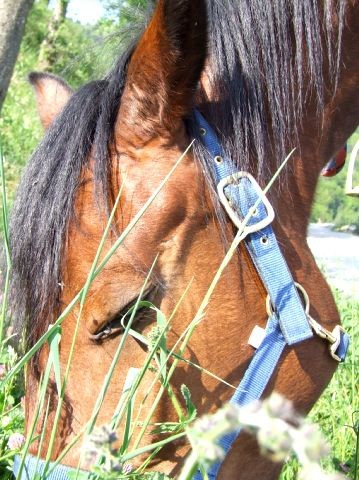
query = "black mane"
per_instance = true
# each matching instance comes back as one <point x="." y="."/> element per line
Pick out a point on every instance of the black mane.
<point x="259" y="52"/>
<point x="45" y="197"/>
<point x="266" y="59"/>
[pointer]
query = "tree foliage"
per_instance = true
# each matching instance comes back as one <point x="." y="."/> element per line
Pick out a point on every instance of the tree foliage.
<point x="48" y="49"/>
<point x="331" y="204"/>
<point x="122" y="11"/>
<point x="83" y="52"/>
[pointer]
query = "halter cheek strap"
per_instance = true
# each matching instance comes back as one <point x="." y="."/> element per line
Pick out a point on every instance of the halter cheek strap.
<point x="289" y="321"/>
<point x="242" y="192"/>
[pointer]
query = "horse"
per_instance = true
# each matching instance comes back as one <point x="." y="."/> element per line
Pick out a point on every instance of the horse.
<point x="268" y="77"/>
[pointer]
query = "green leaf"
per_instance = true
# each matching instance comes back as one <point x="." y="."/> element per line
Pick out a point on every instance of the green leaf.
<point x="169" y="427"/>
<point x="157" y="476"/>
<point x="190" y="407"/>
<point x="162" y="322"/>
<point x="74" y="475"/>
<point x="54" y="342"/>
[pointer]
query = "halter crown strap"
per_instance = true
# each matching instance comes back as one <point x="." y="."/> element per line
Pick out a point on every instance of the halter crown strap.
<point x="261" y="244"/>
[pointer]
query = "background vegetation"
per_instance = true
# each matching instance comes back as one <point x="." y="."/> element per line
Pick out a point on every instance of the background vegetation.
<point x="331" y="205"/>
<point x="81" y="53"/>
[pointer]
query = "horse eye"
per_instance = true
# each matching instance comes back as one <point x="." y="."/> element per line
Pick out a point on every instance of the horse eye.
<point x="116" y="325"/>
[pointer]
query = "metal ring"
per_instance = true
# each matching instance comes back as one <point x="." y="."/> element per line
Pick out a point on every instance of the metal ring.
<point x="218" y="159"/>
<point x="202" y="132"/>
<point x="270" y="309"/>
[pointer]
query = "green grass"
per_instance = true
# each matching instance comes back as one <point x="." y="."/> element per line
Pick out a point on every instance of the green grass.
<point x="337" y="411"/>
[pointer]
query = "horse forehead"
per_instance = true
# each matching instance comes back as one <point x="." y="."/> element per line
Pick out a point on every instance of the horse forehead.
<point x="138" y="172"/>
<point x="144" y="164"/>
<point x="144" y="146"/>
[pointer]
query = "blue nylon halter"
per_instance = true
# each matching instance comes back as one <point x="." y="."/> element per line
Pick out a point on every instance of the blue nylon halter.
<point x="266" y="255"/>
<point x="287" y="325"/>
<point x="35" y="466"/>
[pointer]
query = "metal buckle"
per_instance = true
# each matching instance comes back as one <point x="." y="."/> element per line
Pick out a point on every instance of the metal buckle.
<point x="333" y="338"/>
<point x="238" y="222"/>
<point x="349" y="189"/>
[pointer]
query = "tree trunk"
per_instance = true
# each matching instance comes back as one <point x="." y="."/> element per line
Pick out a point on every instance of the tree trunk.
<point x="60" y="10"/>
<point x="47" y="56"/>
<point x="13" y="14"/>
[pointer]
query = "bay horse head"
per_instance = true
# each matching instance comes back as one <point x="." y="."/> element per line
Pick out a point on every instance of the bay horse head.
<point x="268" y="77"/>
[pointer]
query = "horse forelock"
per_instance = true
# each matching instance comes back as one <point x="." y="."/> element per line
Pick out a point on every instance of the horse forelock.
<point x="259" y="53"/>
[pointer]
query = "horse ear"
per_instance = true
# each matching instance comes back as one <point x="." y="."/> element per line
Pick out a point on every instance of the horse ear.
<point x="165" y="68"/>
<point x="52" y="94"/>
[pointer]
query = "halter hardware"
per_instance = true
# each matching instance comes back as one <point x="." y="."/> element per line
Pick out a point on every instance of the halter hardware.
<point x="235" y="178"/>
<point x="334" y="338"/>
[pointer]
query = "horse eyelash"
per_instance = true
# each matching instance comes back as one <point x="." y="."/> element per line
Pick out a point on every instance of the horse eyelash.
<point x="109" y="331"/>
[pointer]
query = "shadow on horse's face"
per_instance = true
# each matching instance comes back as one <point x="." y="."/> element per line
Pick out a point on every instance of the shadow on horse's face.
<point x="148" y="135"/>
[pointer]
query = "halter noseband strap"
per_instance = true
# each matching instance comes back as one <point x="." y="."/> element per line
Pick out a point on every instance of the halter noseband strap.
<point x="33" y="467"/>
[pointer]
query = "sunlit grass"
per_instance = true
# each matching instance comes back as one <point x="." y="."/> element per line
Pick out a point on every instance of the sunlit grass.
<point x="337" y="411"/>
